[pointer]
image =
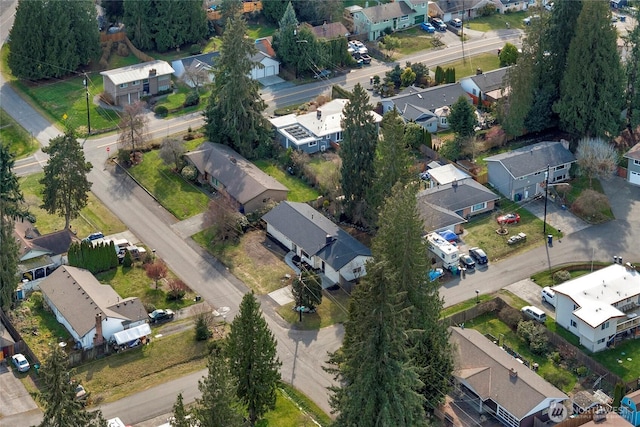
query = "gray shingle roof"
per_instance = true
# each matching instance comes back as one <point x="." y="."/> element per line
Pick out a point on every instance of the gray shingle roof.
<point x="487" y="369"/>
<point x="533" y="158"/>
<point x="387" y="11"/>
<point x="79" y="297"/>
<point x="309" y="229"/>
<point x="436" y="217"/>
<point x="206" y="58"/>
<point x="430" y="98"/>
<point x="242" y="179"/>
<point x="491" y="80"/>
<point x="466" y="194"/>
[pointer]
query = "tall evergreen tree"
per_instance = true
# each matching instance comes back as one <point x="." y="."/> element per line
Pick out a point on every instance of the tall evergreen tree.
<point x="399" y="243"/>
<point x="251" y="349"/>
<point x="180" y="414"/>
<point x="392" y="161"/>
<point x="218" y="405"/>
<point x="234" y="112"/>
<point x="11" y="207"/>
<point x="65" y="181"/>
<point x="357" y="151"/>
<point x="591" y="98"/>
<point x="58" y="396"/>
<point x="285" y="39"/>
<point x="632" y="71"/>
<point x="273" y="10"/>
<point x="462" y="118"/>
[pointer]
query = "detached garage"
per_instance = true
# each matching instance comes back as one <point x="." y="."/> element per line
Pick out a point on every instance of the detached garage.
<point x="633" y="164"/>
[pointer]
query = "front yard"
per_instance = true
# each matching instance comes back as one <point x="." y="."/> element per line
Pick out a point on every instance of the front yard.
<point x="414" y="40"/>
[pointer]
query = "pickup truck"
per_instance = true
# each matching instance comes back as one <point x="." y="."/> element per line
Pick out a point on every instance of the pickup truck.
<point x="364" y="57"/>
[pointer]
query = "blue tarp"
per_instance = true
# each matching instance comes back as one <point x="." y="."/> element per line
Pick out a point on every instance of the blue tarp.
<point x="449" y="235"/>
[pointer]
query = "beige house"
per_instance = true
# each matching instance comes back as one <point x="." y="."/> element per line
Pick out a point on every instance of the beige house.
<point x="127" y="85"/>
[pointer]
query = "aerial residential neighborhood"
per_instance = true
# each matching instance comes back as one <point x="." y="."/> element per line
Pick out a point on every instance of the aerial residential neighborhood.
<point x="389" y="212"/>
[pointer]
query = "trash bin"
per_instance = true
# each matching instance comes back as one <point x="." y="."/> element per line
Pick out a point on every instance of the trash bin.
<point x="36" y="367"/>
<point x="550" y="239"/>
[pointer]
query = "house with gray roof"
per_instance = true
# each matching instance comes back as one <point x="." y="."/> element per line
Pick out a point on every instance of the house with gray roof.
<point x="90" y="311"/>
<point x="235" y="177"/>
<point x="129" y="84"/>
<point x="453" y="204"/>
<point x="428" y="107"/>
<point x="463" y="9"/>
<point x="373" y="21"/>
<point x="497" y="383"/>
<point x="489" y="86"/>
<point x="633" y="164"/>
<point x="521" y="174"/>
<point x="326" y="247"/>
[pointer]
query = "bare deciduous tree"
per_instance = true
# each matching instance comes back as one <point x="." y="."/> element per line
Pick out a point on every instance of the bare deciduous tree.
<point x="133" y="126"/>
<point x="596" y="158"/>
<point x="223" y="214"/>
<point x="156" y="271"/>
<point x="197" y="75"/>
<point x="171" y="151"/>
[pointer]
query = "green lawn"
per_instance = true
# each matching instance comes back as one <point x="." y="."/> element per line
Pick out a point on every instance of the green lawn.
<point x="174" y="101"/>
<point x="334" y="309"/>
<point x="623" y="360"/>
<point x="258" y="31"/>
<point x="298" y="190"/>
<point x="413" y="40"/>
<point x="545" y="278"/>
<point x="498" y="21"/>
<point x="13" y="136"/>
<point x="178" y="196"/>
<point x="288" y="414"/>
<point x="468" y="66"/>
<point x="326" y="170"/>
<point x="490" y="324"/>
<point x="94" y="217"/>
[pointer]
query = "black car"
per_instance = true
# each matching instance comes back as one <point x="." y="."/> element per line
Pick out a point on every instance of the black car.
<point x="157" y="316"/>
<point x="467" y="262"/>
<point x="479" y="255"/>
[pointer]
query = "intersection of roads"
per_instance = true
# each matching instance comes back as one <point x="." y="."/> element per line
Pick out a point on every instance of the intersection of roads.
<point x="303" y="353"/>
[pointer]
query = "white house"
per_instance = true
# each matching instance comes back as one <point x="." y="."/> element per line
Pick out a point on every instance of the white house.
<point x="489" y="86"/>
<point x="601" y="306"/>
<point x="319" y="242"/>
<point x="90" y="311"/>
<point x="314" y="131"/>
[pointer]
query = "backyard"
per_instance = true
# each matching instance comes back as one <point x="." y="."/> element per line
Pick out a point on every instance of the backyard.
<point x="299" y="191"/>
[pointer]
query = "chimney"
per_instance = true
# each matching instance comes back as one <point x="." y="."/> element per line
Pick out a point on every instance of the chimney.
<point x="478" y="71"/>
<point x="98" y="338"/>
<point x="318" y="114"/>
<point x="152" y="72"/>
<point x="233" y="159"/>
<point x="513" y="373"/>
<point x="565" y="143"/>
<point x="329" y="239"/>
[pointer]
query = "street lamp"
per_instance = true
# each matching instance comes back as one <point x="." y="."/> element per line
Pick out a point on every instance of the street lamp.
<point x="477" y="296"/>
<point x="85" y="81"/>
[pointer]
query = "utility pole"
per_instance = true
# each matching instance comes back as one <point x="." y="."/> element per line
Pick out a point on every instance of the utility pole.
<point x="86" y="90"/>
<point x="462" y="33"/>
<point x="546" y="194"/>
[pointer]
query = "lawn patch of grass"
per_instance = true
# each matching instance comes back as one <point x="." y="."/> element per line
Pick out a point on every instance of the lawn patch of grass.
<point x="545" y="278"/>
<point x="622" y="360"/>
<point x="334" y="309"/>
<point x="326" y="169"/>
<point x="94" y="217"/>
<point x="497" y="21"/>
<point x="468" y="66"/>
<point x="299" y="400"/>
<point x="299" y="191"/>
<point x="258" y="31"/>
<point x="413" y="40"/>
<point x="178" y="196"/>
<point x="15" y="138"/>
<point x="464" y="305"/>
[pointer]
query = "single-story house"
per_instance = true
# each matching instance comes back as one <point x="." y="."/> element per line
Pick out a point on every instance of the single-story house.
<point x="235" y="177"/>
<point x="497" y="383"/>
<point x="600" y="307"/>
<point x="630" y="408"/>
<point x="128" y="85"/>
<point x="633" y="164"/>
<point x="329" y="30"/>
<point x="319" y="242"/>
<point x="489" y="87"/>
<point x="446" y="174"/>
<point x="373" y="21"/>
<point x="521" y="174"/>
<point x="428" y="107"/>
<point x="460" y="200"/>
<point x="314" y="131"/>
<point x="90" y="311"/>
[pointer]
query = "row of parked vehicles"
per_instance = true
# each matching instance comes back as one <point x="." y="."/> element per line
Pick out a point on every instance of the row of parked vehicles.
<point x="437" y="24"/>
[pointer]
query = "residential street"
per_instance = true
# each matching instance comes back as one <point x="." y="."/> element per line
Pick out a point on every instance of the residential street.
<point x="302" y="352"/>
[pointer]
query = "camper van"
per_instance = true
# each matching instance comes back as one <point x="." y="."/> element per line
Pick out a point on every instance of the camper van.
<point x="447" y="253"/>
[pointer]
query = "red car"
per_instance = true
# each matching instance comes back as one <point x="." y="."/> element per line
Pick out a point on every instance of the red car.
<point x="512" y="218"/>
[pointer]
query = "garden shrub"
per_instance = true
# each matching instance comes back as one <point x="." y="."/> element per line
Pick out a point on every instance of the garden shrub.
<point x="582" y="371"/>
<point x="558" y="378"/>
<point x="189" y="172"/>
<point x="510" y="317"/>
<point x="192" y="99"/>
<point x="561" y="276"/>
<point x="128" y="260"/>
<point x="161" y="111"/>
<point x="202" y="328"/>
<point x="534" y="335"/>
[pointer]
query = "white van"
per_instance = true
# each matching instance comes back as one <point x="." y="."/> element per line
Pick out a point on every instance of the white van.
<point x="534" y="313"/>
<point x="548" y="296"/>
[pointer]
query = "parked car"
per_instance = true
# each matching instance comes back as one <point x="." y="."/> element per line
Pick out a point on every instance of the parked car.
<point x="322" y="74"/>
<point x="81" y="393"/>
<point x="467" y="262"/>
<point x="157" y="316"/>
<point x="548" y="296"/>
<point x="358" y="47"/>
<point x="428" y="27"/>
<point x="362" y="57"/>
<point x="479" y="255"/>
<point x="511" y="218"/>
<point x="534" y="313"/>
<point x="439" y="24"/>
<point x="456" y="22"/>
<point x="21" y="363"/>
<point x="94" y="236"/>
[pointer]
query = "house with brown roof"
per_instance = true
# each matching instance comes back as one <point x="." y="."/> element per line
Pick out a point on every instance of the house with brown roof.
<point x="90" y="311"/>
<point x="128" y="85"/>
<point x="329" y="30"/>
<point x="496" y="383"/>
<point x="235" y="177"/>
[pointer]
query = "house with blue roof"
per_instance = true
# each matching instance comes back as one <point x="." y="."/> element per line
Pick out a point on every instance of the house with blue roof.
<point x="319" y="242"/>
